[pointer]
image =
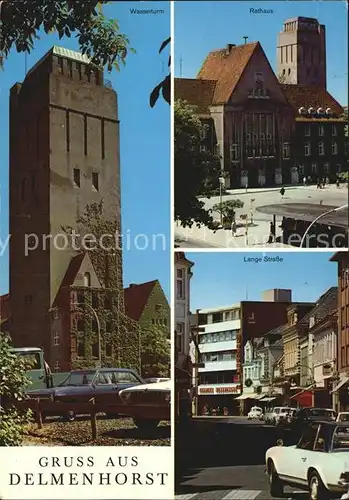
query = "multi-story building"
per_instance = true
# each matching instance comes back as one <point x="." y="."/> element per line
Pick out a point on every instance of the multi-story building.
<point x="64" y="156"/>
<point x="340" y="390"/>
<point x="183" y="362"/>
<point x="225" y="332"/>
<point x="269" y="131"/>
<point x="220" y="350"/>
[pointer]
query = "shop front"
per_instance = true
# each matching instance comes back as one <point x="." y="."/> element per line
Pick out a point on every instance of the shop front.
<point x="341" y="392"/>
<point x="218" y="399"/>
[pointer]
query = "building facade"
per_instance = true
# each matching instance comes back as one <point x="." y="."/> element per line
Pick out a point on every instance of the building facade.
<point x="267" y="130"/>
<point x="340" y="389"/>
<point x="219" y="380"/>
<point x="183" y="362"/>
<point x="64" y="156"/>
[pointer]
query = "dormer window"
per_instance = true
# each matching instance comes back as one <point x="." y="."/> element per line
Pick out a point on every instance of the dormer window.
<point x="258" y="77"/>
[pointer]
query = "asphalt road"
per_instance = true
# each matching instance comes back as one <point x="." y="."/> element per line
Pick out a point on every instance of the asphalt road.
<point x="258" y="232"/>
<point x="223" y="459"/>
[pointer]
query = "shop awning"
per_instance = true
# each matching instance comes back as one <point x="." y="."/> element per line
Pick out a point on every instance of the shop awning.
<point x="244" y="396"/>
<point x="267" y="399"/>
<point x="338" y="386"/>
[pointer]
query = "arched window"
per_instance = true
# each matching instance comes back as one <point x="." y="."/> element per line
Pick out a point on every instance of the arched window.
<point x="87" y="279"/>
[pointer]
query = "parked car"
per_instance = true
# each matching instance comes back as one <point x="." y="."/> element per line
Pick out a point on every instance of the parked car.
<point x="80" y="386"/>
<point x="273" y="415"/>
<point x="343" y="416"/>
<point x="153" y="380"/>
<point x="286" y="417"/>
<point x="319" y="462"/>
<point x="256" y="413"/>
<point x="147" y="404"/>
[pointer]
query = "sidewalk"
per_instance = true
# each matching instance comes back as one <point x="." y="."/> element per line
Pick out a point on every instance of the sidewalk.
<point x="222" y="238"/>
<point x="240" y="191"/>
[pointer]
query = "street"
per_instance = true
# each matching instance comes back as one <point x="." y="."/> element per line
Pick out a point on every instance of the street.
<point x="258" y="232"/>
<point x="224" y="460"/>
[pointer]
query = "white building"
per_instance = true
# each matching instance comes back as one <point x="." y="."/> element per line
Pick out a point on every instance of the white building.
<point x="219" y="381"/>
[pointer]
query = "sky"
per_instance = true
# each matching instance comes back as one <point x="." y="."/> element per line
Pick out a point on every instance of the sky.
<point x="214" y="24"/>
<point x="144" y="136"/>
<point x="221" y="278"/>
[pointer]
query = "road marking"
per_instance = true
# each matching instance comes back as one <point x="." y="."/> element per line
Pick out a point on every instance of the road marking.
<point x="186" y="496"/>
<point x="242" y="495"/>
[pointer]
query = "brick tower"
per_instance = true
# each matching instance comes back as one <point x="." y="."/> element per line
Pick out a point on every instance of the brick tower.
<point x="64" y="155"/>
<point x="301" y="52"/>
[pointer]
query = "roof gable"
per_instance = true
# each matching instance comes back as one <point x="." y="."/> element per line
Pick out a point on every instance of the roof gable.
<point x="198" y="93"/>
<point x="79" y="265"/>
<point x="311" y="96"/>
<point x="136" y="298"/>
<point x="226" y="66"/>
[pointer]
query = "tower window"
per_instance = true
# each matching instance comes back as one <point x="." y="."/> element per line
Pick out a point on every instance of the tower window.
<point x="95" y="181"/>
<point x="77" y="177"/>
<point x="289" y="71"/>
<point x="81" y="349"/>
<point x="87" y="279"/>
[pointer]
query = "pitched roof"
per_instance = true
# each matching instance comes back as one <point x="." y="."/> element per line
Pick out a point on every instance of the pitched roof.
<point x="226" y="66"/>
<point x="323" y="307"/>
<point x="198" y="93"/>
<point x="136" y="298"/>
<point x="311" y="96"/>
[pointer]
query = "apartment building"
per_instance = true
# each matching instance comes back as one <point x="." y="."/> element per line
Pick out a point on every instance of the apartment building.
<point x="340" y="390"/>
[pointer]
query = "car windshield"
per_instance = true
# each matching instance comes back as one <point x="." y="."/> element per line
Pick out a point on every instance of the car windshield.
<point x="321" y="413"/>
<point x="32" y="360"/>
<point x="79" y="378"/>
<point x="344" y="417"/>
<point x="340" y="441"/>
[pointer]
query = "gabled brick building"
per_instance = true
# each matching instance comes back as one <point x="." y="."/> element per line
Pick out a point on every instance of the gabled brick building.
<point x="266" y="132"/>
<point x="147" y="304"/>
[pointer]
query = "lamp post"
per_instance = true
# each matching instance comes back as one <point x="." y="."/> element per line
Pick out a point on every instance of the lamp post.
<point x="221" y="186"/>
<point x="80" y="304"/>
<point x="343" y="207"/>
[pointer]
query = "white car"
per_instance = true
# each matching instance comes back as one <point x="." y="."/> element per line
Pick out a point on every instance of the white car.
<point x="273" y="415"/>
<point x="319" y="463"/>
<point x="255" y="413"/>
<point x="343" y="416"/>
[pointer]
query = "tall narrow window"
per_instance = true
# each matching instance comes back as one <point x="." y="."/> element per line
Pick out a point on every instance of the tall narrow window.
<point x="85" y="135"/>
<point x="67" y="130"/>
<point x="307" y="150"/>
<point x="334" y="148"/>
<point x="77" y="177"/>
<point x="321" y="148"/>
<point x="87" y="279"/>
<point x="95" y="181"/>
<point x="103" y="138"/>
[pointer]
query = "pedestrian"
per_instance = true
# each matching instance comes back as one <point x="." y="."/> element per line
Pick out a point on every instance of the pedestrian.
<point x="233" y="228"/>
<point x="328" y="181"/>
<point x="271" y="233"/>
<point x="304" y="181"/>
<point x="282" y="191"/>
<point x="337" y="183"/>
<point x="309" y="180"/>
<point x="318" y="185"/>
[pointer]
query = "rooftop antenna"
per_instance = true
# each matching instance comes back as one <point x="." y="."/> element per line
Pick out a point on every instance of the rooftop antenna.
<point x="181" y="67"/>
<point x="245" y="38"/>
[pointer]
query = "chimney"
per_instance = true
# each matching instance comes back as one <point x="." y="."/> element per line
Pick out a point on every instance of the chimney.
<point x="229" y="47"/>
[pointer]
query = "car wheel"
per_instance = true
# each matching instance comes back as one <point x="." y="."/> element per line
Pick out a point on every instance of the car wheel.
<point x="276" y="486"/>
<point x="317" y="489"/>
<point x="144" y="424"/>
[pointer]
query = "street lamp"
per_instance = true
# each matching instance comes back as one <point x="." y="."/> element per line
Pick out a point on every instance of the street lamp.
<point x="343" y="207"/>
<point x="221" y="186"/>
<point x="98" y="329"/>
